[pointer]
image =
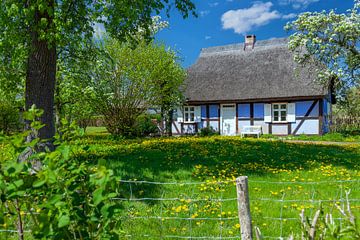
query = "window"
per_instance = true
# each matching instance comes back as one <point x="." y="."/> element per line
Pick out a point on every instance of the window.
<point x="279" y="112"/>
<point x="189" y="114"/>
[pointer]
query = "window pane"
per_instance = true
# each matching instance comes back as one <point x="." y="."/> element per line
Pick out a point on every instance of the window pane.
<point x="186" y="109"/>
<point x="186" y="117"/>
<point x="192" y="109"/>
<point x="283" y="119"/>
<point x="276" y="106"/>
<point x="283" y="106"/>
<point x="192" y="115"/>
<point x="276" y="116"/>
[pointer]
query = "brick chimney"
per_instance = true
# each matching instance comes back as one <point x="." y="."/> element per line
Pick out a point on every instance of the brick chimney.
<point x="249" y="41"/>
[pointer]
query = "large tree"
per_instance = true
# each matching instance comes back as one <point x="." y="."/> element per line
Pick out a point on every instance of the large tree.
<point x="330" y="39"/>
<point x="52" y="29"/>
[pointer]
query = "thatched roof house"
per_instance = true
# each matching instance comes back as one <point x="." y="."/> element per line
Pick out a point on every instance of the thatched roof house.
<point x="253" y="83"/>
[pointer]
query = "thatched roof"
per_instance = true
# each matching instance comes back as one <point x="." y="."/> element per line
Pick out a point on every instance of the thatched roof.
<point x="265" y="72"/>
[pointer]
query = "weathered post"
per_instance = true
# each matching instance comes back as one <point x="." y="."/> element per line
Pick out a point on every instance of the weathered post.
<point x="244" y="207"/>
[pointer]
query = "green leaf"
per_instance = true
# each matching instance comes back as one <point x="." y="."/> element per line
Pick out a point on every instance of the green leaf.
<point x="64" y="220"/>
<point x="39" y="183"/>
<point x="97" y="196"/>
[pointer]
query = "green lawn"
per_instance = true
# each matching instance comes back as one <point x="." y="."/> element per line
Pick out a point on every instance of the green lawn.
<point x="329" y="137"/>
<point x="281" y="180"/>
<point x="223" y="159"/>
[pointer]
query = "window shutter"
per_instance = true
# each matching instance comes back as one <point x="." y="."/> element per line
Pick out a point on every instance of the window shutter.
<point x="197" y="113"/>
<point x="291" y="115"/>
<point x="180" y="117"/>
<point x="267" y="113"/>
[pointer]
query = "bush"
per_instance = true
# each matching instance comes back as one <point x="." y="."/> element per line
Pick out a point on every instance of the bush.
<point x="208" y="131"/>
<point x="146" y="125"/>
<point x="66" y="198"/>
<point x="9" y="117"/>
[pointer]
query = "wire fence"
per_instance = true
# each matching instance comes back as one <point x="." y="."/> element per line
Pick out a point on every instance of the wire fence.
<point x="209" y="209"/>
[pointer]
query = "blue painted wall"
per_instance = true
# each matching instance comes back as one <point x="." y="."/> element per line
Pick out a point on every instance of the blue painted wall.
<point x="214" y="111"/>
<point x="203" y="111"/>
<point x="302" y="107"/>
<point x="244" y="110"/>
<point x="259" y="110"/>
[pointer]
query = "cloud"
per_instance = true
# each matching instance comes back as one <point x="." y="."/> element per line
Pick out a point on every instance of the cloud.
<point x="243" y="20"/>
<point x="204" y="13"/>
<point x="297" y="4"/>
<point x="214" y="4"/>
<point x="289" y="16"/>
<point x="208" y="37"/>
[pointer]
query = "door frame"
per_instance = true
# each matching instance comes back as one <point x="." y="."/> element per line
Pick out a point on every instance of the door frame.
<point x="221" y="117"/>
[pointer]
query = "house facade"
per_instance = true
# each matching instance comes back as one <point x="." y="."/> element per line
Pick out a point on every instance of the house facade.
<point x="256" y="83"/>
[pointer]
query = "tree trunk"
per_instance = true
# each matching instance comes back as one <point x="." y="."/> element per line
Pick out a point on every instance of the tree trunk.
<point x="169" y="123"/>
<point x="41" y="75"/>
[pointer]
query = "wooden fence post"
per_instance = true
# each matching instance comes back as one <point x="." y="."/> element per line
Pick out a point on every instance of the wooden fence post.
<point x="244" y="207"/>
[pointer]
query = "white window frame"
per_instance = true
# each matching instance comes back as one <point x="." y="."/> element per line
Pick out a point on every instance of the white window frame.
<point x="188" y="111"/>
<point x="279" y="110"/>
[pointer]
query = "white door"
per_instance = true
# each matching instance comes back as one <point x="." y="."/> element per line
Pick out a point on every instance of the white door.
<point x="228" y="119"/>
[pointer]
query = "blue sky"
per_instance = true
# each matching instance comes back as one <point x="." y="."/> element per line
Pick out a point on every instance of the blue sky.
<point x="223" y="22"/>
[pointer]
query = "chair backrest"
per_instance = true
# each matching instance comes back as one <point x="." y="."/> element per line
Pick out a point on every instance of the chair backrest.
<point x="254" y="129"/>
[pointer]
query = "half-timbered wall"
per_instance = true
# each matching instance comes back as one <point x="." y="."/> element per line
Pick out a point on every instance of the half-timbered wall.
<point x="311" y="117"/>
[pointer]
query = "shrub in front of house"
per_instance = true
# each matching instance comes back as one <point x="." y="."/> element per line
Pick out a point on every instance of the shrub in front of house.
<point x="146" y="125"/>
<point x="208" y="131"/>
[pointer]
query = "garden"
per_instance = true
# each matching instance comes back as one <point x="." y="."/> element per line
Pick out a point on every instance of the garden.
<point x="199" y="199"/>
<point x="87" y="101"/>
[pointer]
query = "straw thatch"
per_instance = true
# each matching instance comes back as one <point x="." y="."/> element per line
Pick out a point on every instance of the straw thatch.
<point x="231" y="73"/>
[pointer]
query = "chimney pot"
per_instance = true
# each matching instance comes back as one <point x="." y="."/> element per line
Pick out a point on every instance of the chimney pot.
<point x="250" y="41"/>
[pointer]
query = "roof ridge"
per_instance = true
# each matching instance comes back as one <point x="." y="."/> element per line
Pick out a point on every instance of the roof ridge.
<point x="240" y="46"/>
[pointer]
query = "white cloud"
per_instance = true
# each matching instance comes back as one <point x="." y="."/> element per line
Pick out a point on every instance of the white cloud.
<point x="243" y="20"/>
<point x="214" y="4"/>
<point x="208" y="37"/>
<point x="204" y="13"/>
<point x="297" y="4"/>
<point x="289" y="16"/>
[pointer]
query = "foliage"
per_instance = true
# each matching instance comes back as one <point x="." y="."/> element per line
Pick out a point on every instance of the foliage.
<point x="127" y="81"/>
<point x="39" y="33"/>
<point x="330" y="39"/>
<point x="65" y="199"/>
<point x="352" y="103"/>
<point x="208" y="131"/>
<point x="146" y="126"/>
<point x="71" y="100"/>
<point x="9" y="117"/>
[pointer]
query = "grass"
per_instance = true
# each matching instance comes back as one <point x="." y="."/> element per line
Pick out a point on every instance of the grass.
<point x="96" y="131"/>
<point x="214" y="159"/>
<point x="222" y="159"/>
<point x="329" y="137"/>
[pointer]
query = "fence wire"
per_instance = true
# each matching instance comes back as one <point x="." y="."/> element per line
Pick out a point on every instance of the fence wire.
<point x="195" y="198"/>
